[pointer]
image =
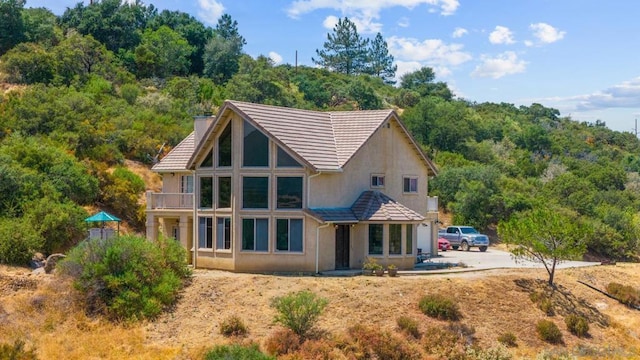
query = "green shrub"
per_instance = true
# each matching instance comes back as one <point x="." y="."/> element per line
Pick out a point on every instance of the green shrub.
<point x="235" y="351"/>
<point x="508" y="339"/>
<point x="626" y="294"/>
<point x="17" y="352"/>
<point x="546" y="305"/>
<point x="282" y="341"/>
<point x="18" y="241"/>
<point x="379" y="344"/>
<point x="299" y="311"/>
<point x="577" y="325"/>
<point x="439" y="307"/>
<point x="498" y="352"/>
<point x="233" y="326"/>
<point x="408" y="325"/>
<point x="127" y="277"/>
<point x="444" y="343"/>
<point x="548" y="331"/>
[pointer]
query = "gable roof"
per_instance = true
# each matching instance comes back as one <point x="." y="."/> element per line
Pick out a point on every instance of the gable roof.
<point x="370" y="206"/>
<point x="324" y="141"/>
<point x="178" y="158"/>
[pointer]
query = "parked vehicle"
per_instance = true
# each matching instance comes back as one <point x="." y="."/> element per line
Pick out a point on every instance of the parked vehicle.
<point x="464" y="237"/>
<point x="443" y="244"/>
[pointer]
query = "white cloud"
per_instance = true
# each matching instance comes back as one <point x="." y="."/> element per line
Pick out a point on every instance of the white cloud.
<point x="275" y="57"/>
<point x="210" y="11"/>
<point x="368" y="8"/>
<point x="501" y="35"/>
<point x="504" y="64"/>
<point x="330" y="22"/>
<point x="545" y="33"/>
<point x="624" y="95"/>
<point x="403" y="22"/>
<point x="432" y="51"/>
<point x="459" y="32"/>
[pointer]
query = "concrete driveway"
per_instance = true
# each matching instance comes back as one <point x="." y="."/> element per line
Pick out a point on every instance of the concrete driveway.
<point x="491" y="259"/>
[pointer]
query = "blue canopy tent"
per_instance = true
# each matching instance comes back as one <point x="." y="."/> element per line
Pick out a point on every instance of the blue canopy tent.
<point x="103" y="217"/>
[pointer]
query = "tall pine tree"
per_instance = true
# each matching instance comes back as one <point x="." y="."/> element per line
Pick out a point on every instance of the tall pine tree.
<point x="344" y="51"/>
<point x="223" y="51"/>
<point x="380" y="61"/>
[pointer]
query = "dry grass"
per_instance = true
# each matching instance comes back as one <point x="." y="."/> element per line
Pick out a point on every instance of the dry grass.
<point x="42" y="311"/>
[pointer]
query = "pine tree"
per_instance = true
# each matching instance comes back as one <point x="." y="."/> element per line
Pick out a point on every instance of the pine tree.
<point x="380" y="61"/>
<point x="344" y="51"/>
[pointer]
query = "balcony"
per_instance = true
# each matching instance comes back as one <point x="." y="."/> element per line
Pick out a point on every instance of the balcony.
<point x="169" y="201"/>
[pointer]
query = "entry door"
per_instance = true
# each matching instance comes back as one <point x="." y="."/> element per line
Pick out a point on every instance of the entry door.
<point x="342" y="246"/>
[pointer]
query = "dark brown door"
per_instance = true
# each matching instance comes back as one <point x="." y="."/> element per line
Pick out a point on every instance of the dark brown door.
<point x="342" y="246"/>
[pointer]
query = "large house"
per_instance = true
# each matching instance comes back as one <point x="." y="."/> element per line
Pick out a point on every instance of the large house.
<point x="260" y="188"/>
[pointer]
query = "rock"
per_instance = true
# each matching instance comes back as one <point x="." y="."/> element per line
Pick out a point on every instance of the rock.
<point x="52" y="260"/>
<point x="37" y="261"/>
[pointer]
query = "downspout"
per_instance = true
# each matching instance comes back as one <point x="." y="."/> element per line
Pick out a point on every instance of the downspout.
<point x="318" y="245"/>
<point x="195" y="222"/>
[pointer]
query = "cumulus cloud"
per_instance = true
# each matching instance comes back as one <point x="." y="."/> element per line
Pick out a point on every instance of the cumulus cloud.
<point x="364" y="9"/>
<point x="501" y="35"/>
<point x="545" y="34"/>
<point x="504" y="64"/>
<point x="459" y="32"/>
<point x="433" y="51"/>
<point x="275" y="57"/>
<point x="624" y="95"/>
<point x="210" y="11"/>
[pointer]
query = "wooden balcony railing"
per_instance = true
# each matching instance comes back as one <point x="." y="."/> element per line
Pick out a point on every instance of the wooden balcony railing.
<point x="169" y="201"/>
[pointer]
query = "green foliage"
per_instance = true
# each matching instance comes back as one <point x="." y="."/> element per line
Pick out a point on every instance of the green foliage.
<point x="380" y="344"/>
<point x="577" y="325"/>
<point x="17" y="351"/>
<point x="409" y="325"/>
<point x="508" y="339"/>
<point x="120" y="191"/>
<point x="421" y="81"/>
<point x="439" y="307"/>
<point x="28" y="63"/>
<point x="544" y="235"/>
<point x="12" y="24"/>
<point x="626" y="294"/>
<point x="223" y="51"/>
<point x="345" y="51"/>
<point x="445" y="343"/>
<point x="236" y="351"/>
<point x="162" y="53"/>
<point x="18" y="241"/>
<point x="233" y="326"/>
<point x="127" y="277"/>
<point x="60" y="223"/>
<point x="380" y="61"/>
<point x="548" y="331"/>
<point x="498" y="352"/>
<point x="299" y="311"/>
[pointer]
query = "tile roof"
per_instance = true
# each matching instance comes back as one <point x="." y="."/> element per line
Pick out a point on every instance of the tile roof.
<point x="370" y="206"/>
<point x="178" y="158"/>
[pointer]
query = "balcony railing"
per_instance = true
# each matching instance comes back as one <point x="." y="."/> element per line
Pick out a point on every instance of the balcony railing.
<point x="169" y="201"/>
<point x="432" y="204"/>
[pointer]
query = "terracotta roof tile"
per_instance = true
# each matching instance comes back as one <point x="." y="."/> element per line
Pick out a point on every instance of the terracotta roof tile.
<point x="333" y="215"/>
<point x="376" y="206"/>
<point x="178" y="158"/>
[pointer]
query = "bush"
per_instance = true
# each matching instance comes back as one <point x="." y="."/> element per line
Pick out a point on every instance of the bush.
<point x="577" y="325"/>
<point x="548" y="331"/>
<point x="498" y="352"/>
<point x="16" y="352"/>
<point x="235" y="351"/>
<point x="508" y="339"/>
<point x="18" y="241"/>
<point x="439" y="307"/>
<point x="299" y="311"/>
<point x="127" y="277"/>
<point x="233" y="326"/>
<point x="282" y="341"/>
<point x="444" y="343"/>
<point x="625" y="294"/>
<point x="378" y="344"/>
<point x="408" y="325"/>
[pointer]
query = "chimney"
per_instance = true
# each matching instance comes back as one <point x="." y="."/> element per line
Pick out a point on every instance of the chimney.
<point x="200" y="126"/>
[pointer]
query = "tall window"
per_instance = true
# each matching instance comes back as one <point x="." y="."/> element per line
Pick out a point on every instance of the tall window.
<point x="377" y="181"/>
<point x="289" y="235"/>
<point x="224" y="192"/>
<point x="255" y="147"/>
<point x="255" y="192"/>
<point x="375" y="239"/>
<point x="409" y="239"/>
<point x="223" y="233"/>
<point x="395" y="239"/>
<point x="289" y="193"/>
<point x="206" y="192"/>
<point x="285" y="160"/>
<point x="205" y="232"/>
<point x="255" y="234"/>
<point x="208" y="161"/>
<point x="224" y="147"/>
<point x="186" y="184"/>
<point x="410" y="184"/>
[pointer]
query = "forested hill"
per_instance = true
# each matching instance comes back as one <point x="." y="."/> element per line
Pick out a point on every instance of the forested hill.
<point x="111" y="81"/>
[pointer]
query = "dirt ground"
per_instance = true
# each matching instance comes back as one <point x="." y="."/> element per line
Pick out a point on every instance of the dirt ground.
<point x="40" y="310"/>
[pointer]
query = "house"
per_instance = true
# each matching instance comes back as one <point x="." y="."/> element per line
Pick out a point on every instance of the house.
<point x="260" y="188"/>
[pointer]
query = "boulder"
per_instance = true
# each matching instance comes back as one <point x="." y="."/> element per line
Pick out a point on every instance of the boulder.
<point x="52" y="260"/>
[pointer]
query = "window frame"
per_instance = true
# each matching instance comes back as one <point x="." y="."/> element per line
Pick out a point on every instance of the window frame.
<point x="244" y="147"/>
<point x="267" y="191"/>
<point x="408" y="239"/>
<point x="219" y="147"/>
<point x="369" y="239"/>
<point x="277" y="190"/>
<point x="186" y="184"/>
<point x="200" y="194"/>
<point x="411" y="180"/>
<point x="285" y="156"/>
<point x="208" y="230"/>
<point x="254" y="234"/>
<point x="289" y="235"/>
<point x="225" y="243"/>
<point x="218" y="187"/>
<point x="375" y="181"/>
<point x="395" y="236"/>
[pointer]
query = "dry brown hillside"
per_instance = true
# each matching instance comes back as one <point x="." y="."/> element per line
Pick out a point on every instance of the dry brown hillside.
<point x="40" y="310"/>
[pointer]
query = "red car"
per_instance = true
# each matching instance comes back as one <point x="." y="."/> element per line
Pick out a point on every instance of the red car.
<point x="443" y="244"/>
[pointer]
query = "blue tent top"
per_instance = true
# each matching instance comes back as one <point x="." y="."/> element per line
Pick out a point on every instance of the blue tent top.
<point x="102" y="216"/>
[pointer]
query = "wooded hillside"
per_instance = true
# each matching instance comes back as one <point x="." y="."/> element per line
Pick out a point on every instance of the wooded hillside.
<point x="111" y="81"/>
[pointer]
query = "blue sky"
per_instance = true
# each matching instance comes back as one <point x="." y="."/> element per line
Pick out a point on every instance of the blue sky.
<point x="581" y="57"/>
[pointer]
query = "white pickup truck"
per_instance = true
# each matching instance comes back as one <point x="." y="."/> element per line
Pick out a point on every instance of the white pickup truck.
<point x="465" y="237"/>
